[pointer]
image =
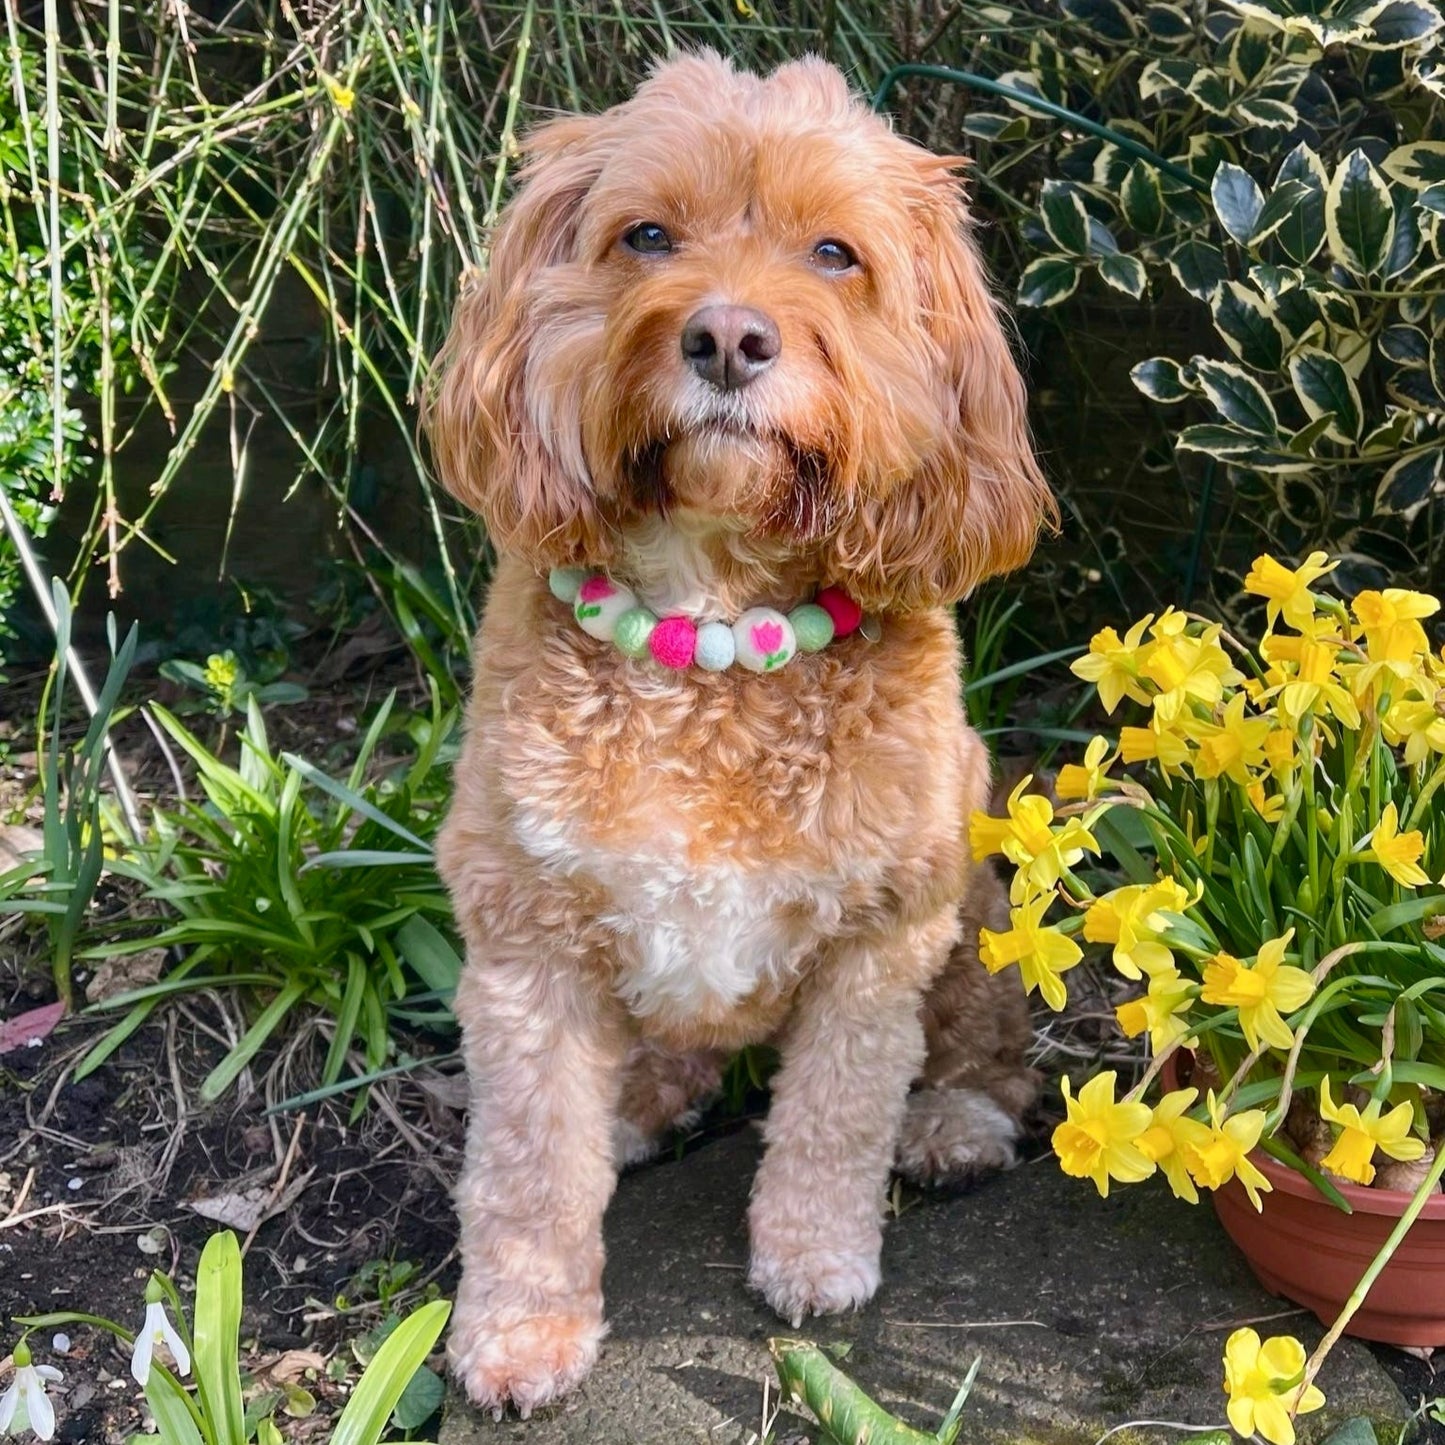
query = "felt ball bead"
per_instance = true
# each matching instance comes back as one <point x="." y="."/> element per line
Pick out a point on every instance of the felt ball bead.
<point x="600" y="602"/>
<point x="633" y="630"/>
<point x="563" y="582"/>
<point x="716" y="648"/>
<point x="672" y="642"/>
<point x="812" y="627"/>
<point x="844" y="611"/>
<point x="764" y="639"/>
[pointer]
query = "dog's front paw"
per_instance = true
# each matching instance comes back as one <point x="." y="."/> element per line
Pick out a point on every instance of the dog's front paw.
<point x="526" y="1363"/>
<point x="809" y="1278"/>
<point x="951" y="1136"/>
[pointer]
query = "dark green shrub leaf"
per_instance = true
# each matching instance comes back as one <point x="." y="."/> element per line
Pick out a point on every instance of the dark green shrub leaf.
<point x="1218" y="441"/>
<point x="1108" y="18"/>
<point x="1141" y="200"/>
<point x="1237" y="201"/>
<point x="1064" y="217"/>
<point x="1403" y="22"/>
<point x="1198" y="267"/>
<point x="420" y="1400"/>
<point x="1356" y="1431"/>
<point x="1262" y="111"/>
<point x="1418" y="165"/>
<point x="1302" y="232"/>
<point x="1161" y="379"/>
<point x="1169" y="24"/>
<point x="1124" y="273"/>
<point x="1237" y="396"/>
<point x="1410" y="483"/>
<point x="1359" y="215"/>
<point x="1246" y="321"/>
<point x="1325" y="389"/>
<point x="1048" y="281"/>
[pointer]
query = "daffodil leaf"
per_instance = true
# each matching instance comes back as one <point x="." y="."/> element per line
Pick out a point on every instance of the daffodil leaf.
<point x="1246" y="322"/>
<point x="1161" y="379"/>
<point x="1048" y="281"/>
<point x="1064" y="217"/>
<point x="1324" y="388"/>
<point x="1141" y="199"/>
<point x="1410" y="483"/>
<point x="1237" y="201"/>
<point x="1384" y="921"/>
<point x="1237" y="396"/>
<point x="1359" y="215"/>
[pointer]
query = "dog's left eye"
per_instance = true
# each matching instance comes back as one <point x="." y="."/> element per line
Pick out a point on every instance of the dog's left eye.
<point x="649" y="239"/>
<point x="833" y="256"/>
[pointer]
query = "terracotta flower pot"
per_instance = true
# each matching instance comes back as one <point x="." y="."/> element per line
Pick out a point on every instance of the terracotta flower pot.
<point x="1302" y="1247"/>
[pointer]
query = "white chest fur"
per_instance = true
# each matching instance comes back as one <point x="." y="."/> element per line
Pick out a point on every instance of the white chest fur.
<point x="692" y="940"/>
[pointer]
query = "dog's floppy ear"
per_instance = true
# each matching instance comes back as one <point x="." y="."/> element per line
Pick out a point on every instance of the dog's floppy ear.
<point x="975" y="505"/>
<point x="506" y="442"/>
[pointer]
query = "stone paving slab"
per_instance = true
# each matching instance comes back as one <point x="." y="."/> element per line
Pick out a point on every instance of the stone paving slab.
<point x="1119" y="1309"/>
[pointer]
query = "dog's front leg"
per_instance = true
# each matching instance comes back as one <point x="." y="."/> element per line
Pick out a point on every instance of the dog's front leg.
<point x="851" y="1048"/>
<point x="544" y="1055"/>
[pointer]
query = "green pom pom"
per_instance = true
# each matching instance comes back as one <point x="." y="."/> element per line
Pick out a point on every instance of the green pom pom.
<point x="811" y="626"/>
<point x="634" y="627"/>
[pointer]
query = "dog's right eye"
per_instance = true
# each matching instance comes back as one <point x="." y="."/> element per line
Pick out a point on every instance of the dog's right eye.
<point x="648" y="239"/>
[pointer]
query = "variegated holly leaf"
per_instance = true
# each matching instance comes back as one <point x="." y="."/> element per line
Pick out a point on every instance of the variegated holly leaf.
<point x="1048" y="281"/>
<point x="1405" y="345"/>
<point x="1260" y="110"/>
<point x="1302" y="232"/>
<point x="1124" y="273"/>
<point x="1237" y="396"/>
<point x="1239" y="449"/>
<point x="1246" y="321"/>
<point x="1162" y="379"/>
<point x="1198" y="266"/>
<point x="1237" y="201"/>
<point x="1110" y="18"/>
<point x="1402" y="22"/>
<point x="1065" y="219"/>
<point x="1141" y="199"/>
<point x="1417" y="165"/>
<point x="1324" y="388"/>
<point x="1169" y="24"/>
<point x="990" y="126"/>
<point x="1359" y="215"/>
<point x="1411" y="482"/>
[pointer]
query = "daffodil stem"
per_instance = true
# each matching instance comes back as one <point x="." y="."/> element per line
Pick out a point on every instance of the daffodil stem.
<point x="1387" y="1250"/>
<point x="1321" y="972"/>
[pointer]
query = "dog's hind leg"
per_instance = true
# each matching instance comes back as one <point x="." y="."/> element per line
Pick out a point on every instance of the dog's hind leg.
<point x="662" y="1090"/>
<point x="965" y="1114"/>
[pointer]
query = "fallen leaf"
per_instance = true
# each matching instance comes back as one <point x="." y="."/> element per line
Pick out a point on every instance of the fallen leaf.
<point x="29" y="1028"/>
<point x="16" y="840"/>
<point x="293" y="1365"/>
<point x="121" y="975"/>
<point x="245" y="1209"/>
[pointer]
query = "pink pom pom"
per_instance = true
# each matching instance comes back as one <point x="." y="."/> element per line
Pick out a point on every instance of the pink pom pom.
<point x="673" y="642"/>
<point x="844" y="611"/>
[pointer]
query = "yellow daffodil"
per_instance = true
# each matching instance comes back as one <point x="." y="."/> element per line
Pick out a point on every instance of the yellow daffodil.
<point x="1164" y="1140"/>
<point x="1028" y="840"/>
<point x="1396" y="852"/>
<point x="1315" y="685"/>
<point x="1159" y="742"/>
<point x="1041" y="952"/>
<point x="1220" y="1154"/>
<point x="1269" y="806"/>
<point x="1169" y="994"/>
<point x="1129" y="919"/>
<point x="1281" y="751"/>
<point x="1099" y="1138"/>
<point x="1112" y="665"/>
<point x="1395" y="643"/>
<point x="1419" y="723"/>
<point x="1265" y="1382"/>
<point x="1362" y="1133"/>
<point x="1186" y="669"/>
<point x="1232" y="746"/>
<point x="1085" y="780"/>
<point x="1288" y="592"/>
<point x="1262" y="992"/>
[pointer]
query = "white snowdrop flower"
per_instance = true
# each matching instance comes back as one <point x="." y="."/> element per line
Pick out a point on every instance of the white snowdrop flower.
<point x="25" y="1405"/>
<point x="157" y="1330"/>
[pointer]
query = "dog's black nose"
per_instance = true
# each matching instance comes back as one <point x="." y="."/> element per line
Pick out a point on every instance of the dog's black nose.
<point x="729" y="346"/>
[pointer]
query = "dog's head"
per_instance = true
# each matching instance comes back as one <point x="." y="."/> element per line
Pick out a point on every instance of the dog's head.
<point x="748" y="302"/>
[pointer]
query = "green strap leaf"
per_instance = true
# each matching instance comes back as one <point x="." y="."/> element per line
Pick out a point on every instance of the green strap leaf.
<point x="400" y="1357"/>
<point x="216" y="1337"/>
